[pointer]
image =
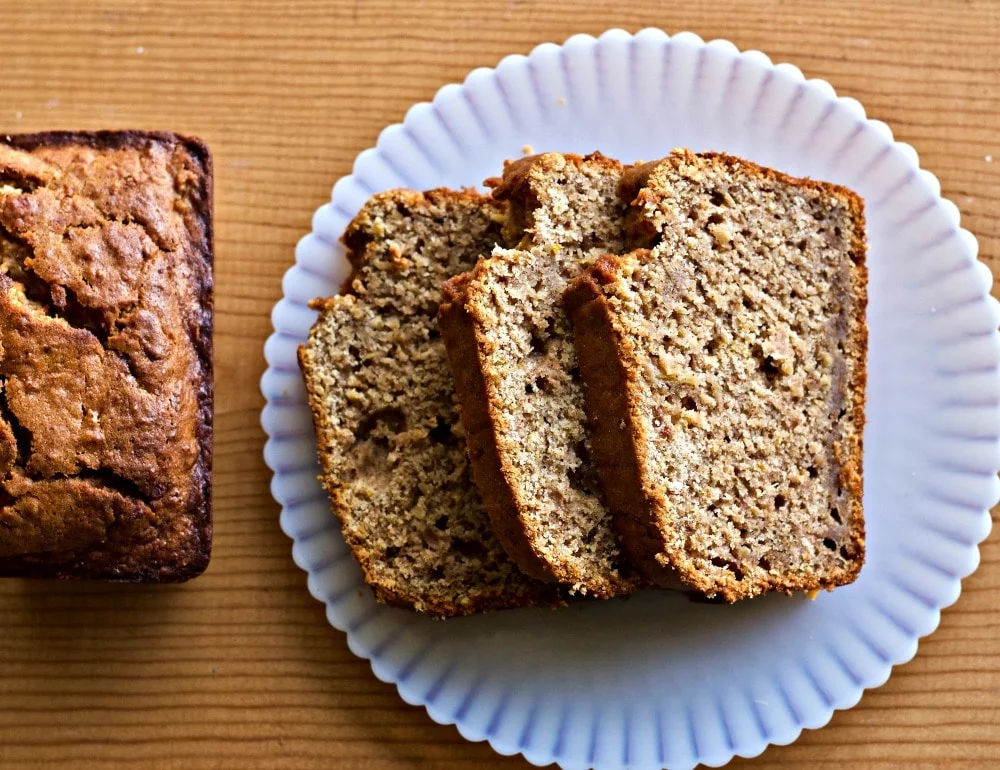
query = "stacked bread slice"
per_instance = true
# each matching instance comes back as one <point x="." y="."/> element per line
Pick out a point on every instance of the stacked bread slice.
<point x="390" y="442"/>
<point x="725" y="371"/>
<point x="659" y="373"/>
<point x="511" y="348"/>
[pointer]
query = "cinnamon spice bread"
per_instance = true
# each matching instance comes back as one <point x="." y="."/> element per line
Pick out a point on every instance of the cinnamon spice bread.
<point x="725" y="377"/>
<point x="510" y="348"/>
<point x="105" y="356"/>
<point x="390" y="442"/>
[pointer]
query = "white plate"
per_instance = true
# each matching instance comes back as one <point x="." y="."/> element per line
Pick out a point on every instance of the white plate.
<point x="657" y="681"/>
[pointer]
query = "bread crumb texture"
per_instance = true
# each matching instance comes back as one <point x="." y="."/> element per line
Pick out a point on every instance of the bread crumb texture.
<point x="743" y="338"/>
<point x="390" y="440"/>
<point x="105" y="356"/>
<point x="564" y="214"/>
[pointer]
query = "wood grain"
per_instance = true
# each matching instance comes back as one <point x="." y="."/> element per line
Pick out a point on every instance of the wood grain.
<point x="239" y="669"/>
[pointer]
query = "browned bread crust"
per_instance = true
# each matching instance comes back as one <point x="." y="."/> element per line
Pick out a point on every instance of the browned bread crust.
<point x="106" y="298"/>
<point x="390" y="444"/>
<point x="611" y="359"/>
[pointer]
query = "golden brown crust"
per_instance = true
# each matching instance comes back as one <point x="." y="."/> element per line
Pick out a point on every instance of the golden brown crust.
<point x="634" y="178"/>
<point x="459" y="333"/>
<point x="852" y="472"/>
<point x="106" y="243"/>
<point x="640" y="233"/>
<point x="72" y="512"/>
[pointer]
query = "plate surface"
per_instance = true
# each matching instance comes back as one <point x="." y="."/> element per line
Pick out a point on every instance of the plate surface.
<point x="656" y="681"/>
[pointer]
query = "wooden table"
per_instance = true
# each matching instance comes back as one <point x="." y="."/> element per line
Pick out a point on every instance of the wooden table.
<point x="240" y="668"/>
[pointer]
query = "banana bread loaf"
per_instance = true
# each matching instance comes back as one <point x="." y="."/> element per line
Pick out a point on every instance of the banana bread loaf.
<point x="725" y="376"/>
<point x="105" y="356"/>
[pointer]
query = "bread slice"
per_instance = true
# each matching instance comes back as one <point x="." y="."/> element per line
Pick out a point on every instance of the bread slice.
<point x="725" y="377"/>
<point x="390" y="443"/>
<point x="515" y="371"/>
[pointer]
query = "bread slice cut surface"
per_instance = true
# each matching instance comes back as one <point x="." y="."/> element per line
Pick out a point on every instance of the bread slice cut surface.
<point x="511" y="351"/>
<point x="725" y="377"/>
<point x="390" y="442"/>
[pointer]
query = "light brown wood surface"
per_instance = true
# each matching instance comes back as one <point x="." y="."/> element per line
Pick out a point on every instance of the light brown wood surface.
<point x="240" y="669"/>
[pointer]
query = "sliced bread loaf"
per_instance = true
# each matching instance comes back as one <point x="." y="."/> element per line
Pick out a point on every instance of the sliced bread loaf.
<point x="390" y="443"/>
<point x="725" y="376"/>
<point x="510" y="348"/>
